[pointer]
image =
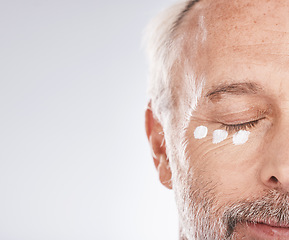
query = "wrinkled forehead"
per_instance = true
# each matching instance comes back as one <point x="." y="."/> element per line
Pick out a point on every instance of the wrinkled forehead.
<point x="226" y="30"/>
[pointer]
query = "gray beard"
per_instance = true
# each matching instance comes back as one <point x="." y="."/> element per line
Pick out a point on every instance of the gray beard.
<point x="196" y="210"/>
<point x="202" y="218"/>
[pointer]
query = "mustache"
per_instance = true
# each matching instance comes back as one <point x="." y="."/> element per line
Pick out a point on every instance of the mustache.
<point x="272" y="209"/>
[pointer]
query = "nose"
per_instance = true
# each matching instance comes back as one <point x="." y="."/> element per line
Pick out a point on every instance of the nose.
<point x="275" y="168"/>
<point x="276" y="176"/>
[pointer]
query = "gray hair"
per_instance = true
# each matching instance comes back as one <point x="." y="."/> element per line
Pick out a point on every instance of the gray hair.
<point x="163" y="50"/>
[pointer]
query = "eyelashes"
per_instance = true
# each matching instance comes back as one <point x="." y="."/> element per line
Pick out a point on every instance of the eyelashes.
<point x="241" y="126"/>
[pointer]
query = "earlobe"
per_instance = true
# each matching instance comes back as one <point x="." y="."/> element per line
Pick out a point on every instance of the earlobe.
<point x="164" y="170"/>
<point x="157" y="143"/>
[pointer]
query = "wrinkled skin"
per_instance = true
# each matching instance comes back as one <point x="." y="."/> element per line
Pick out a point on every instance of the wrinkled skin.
<point x="222" y="188"/>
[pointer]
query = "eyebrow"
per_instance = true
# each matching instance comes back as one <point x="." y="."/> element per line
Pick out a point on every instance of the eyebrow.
<point x="244" y="88"/>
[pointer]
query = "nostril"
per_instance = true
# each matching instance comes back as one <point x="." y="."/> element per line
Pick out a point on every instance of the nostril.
<point x="273" y="179"/>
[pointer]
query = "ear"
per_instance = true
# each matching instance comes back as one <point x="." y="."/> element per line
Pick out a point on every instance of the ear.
<point x="154" y="131"/>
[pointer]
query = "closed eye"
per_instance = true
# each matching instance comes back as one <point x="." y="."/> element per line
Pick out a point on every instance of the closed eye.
<point x="241" y="126"/>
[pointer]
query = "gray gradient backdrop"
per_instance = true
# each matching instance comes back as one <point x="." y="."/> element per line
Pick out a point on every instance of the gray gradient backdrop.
<point x="74" y="160"/>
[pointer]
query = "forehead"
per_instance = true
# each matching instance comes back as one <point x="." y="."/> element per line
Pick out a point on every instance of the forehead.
<point x="222" y="21"/>
<point x="237" y="40"/>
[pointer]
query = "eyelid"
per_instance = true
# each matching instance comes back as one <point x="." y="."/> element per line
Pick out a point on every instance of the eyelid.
<point x="241" y="126"/>
<point x="242" y="117"/>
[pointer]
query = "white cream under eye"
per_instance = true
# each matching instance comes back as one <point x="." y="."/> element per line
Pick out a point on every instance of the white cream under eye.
<point x="241" y="137"/>
<point x="200" y="132"/>
<point x="219" y="135"/>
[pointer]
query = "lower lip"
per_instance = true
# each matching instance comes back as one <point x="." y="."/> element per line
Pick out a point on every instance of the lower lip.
<point x="268" y="231"/>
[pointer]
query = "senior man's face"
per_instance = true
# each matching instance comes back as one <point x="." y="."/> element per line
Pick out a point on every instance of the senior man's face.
<point x="230" y="164"/>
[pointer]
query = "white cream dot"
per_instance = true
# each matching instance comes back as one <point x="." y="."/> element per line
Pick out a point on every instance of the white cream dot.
<point x="200" y="132"/>
<point x="241" y="137"/>
<point x="219" y="135"/>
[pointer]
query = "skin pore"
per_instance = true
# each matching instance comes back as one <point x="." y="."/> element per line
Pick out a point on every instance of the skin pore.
<point x="240" y="50"/>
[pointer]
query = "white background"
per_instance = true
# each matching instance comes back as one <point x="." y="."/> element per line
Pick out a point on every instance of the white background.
<point x="74" y="160"/>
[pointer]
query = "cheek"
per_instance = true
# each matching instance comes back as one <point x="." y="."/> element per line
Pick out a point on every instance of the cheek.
<point x="228" y="160"/>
